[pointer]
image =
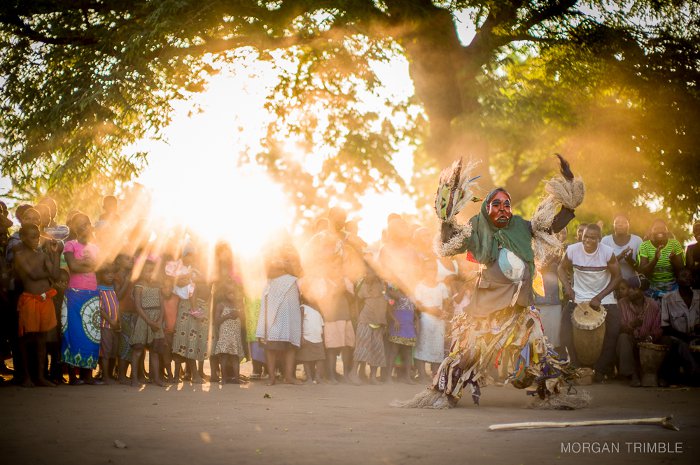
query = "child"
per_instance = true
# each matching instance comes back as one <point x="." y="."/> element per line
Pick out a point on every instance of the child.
<point x="148" y="331"/>
<point x="124" y="288"/>
<point x="371" y="327"/>
<point x="431" y="298"/>
<point x="402" y="332"/>
<point x="229" y="345"/>
<point x="255" y="349"/>
<point x="35" y="306"/>
<point x="192" y="332"/>
<point x="109" y="327"/>
<point x="53" y="347"/>
<point x="312" y="352"/>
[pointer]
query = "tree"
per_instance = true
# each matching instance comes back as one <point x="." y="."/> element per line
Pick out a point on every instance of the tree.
<point x="84" y="79"/>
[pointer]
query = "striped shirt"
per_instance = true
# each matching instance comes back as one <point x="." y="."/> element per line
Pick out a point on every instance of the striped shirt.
<point x="650" y="318"/>
<point x="662" y="277"/>
<point x="591" y="272"/>
<point x="108" y="304"/>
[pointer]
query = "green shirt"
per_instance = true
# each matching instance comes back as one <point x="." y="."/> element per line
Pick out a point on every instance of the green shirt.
<point x="662" y="278"/>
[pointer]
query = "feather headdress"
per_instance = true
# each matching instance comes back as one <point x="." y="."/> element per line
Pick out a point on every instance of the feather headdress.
<point x="454" y="190"/>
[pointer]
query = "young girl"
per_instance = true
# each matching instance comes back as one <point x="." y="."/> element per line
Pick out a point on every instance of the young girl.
<point x="148" y="331"/>
<point x="124" y="287"/>
<point x="192" y="332"/>
<point x="228" y="314"/>
<point x="402" y="332"/>
<point x="431" y="298"/>
<point x="109" y="326"/>
<point x="371" y="327"/>
<point x="311" y="353"/>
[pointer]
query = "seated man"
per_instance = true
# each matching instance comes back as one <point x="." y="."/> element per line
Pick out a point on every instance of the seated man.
<point x="640" y="321"/>
<point x="680" y="322"/>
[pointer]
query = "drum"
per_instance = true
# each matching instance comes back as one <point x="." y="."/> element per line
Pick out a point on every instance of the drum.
<point x="651" y="356"/>
<point x="588" y="333"/>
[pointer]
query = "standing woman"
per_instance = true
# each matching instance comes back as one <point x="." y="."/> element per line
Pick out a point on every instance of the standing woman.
<point x="279" y="324"/>
<point x="80" y="316"/>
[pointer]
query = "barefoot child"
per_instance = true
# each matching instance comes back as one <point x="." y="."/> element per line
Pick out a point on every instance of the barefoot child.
<point x="109" y="327"/>
<point x="124" y="288"/>
<point x="312" y="352"/>
<point x="35" y="306"/>
<point x="148" y="331"/>
<point x="228" y="312"/>
<point x="190" y="342"/>
<point x="371" y="327"/>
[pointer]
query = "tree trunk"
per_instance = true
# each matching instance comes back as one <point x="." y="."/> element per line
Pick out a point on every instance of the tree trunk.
<point x="444" y="77"/>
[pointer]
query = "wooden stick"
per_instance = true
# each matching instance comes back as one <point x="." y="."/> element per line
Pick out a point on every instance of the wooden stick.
<point x="662" y="421"/>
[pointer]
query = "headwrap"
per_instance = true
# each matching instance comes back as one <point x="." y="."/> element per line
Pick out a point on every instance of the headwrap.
<point x="486" y="238"/>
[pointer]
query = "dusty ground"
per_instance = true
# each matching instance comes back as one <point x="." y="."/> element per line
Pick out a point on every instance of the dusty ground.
<point x="322" y="424"/>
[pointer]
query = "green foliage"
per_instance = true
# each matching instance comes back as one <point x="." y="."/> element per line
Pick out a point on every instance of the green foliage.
<point x="621" y="108"/>
<point x="610" y="84"/>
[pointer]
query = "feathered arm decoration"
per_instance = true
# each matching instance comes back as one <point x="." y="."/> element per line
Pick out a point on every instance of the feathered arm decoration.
<point x="453" y="192"/>
<point x="565" y="191"/>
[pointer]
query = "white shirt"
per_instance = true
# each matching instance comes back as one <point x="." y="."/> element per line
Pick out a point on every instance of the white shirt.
<point x="591" y="273"/>
<point x="313" y="325"/>
<point x="432" y="296"/>
<point x="635" y="241"/>
<point x="676" y="314"/>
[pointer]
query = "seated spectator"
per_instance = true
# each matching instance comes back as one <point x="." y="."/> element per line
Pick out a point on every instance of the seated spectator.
<point x="640" y="321"/>
<point x="692" y="256"/>
<point x="680" y="322"/>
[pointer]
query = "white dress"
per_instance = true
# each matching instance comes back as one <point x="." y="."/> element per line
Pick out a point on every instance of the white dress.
<point x="430" y="346"/>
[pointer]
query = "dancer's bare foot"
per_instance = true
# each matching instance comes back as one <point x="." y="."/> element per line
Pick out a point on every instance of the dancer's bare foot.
<point x="293" y="381"/>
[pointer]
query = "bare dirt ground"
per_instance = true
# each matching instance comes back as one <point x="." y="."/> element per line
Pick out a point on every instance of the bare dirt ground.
<point x="324" y="424"/>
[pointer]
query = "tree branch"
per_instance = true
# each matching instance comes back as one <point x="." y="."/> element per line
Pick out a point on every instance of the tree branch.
<point x="553" y="10"/>
<point x="22" y="29"/>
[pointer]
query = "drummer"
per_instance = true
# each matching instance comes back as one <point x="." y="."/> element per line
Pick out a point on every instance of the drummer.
<point x="640" y="321"/>
<point x="680" y="322"/>
<point x="596" y="273"/>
